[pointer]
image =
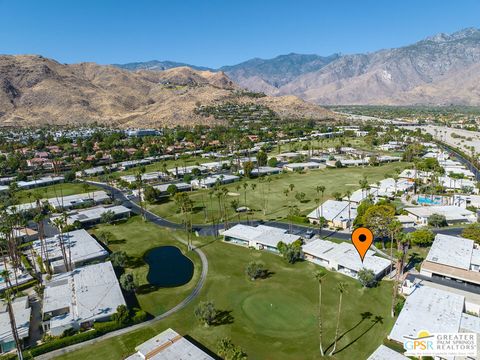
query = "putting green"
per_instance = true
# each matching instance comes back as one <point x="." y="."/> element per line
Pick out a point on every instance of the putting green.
<point x="279" y="313"/>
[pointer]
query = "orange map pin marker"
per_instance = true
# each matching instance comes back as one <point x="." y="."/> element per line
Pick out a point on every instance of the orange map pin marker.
<point x="362" y="239"/>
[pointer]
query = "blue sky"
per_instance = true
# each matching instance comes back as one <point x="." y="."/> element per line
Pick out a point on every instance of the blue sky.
<point x="215" y="32"/>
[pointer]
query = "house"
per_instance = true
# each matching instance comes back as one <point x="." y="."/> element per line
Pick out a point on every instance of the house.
<point x="94" y="171"/>
<point x="68" y="202"/>
<point x="16" y="276"/>
<point x="93" y="216"/>
<point x="261" y="237"/>
<point x="263" y="170"/>
<point x="43" y="181"/>
<point x="80" y="248"/>
<point x="78" y="298"/>
<point x="302" y="166"/>
<point x="385" y="353"/>
<point x="146" y="178"/>
<point x="453" y="214"/>
<point x="433" y="309"/>
<point x="454" y="258"/>
<point x="389" y="187"/>
<point x="338" y="214"/>
<point x="210" y="181"/>
<point x="169" y="345"/>
<point x="359" y="195"/>
<point x="22" y="312"/>
<point x="344" y="258"/>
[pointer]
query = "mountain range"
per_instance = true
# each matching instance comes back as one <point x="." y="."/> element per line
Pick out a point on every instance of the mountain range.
<point x="440" y="70"/>
<point x="35" y="90"/>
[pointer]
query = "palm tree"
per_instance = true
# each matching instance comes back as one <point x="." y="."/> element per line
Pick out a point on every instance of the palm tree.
<point x="341" y="288"/>
<point x="398" y="257"/>
<point x="319" y="189"/>
<point x="348" y="194"/>
<point x="13" y="325"/>
<point x="245" y="187"/>
<point x="320" y="277"/>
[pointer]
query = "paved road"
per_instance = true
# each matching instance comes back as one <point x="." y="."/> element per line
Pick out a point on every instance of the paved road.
<point x="212" y="230"/>
<point x="198" y="287"/>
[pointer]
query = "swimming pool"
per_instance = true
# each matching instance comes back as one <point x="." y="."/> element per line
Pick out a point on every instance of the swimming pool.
<point x="427" y="200"/>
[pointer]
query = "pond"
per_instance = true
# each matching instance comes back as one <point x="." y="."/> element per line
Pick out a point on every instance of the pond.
<point x="168" y="267"/>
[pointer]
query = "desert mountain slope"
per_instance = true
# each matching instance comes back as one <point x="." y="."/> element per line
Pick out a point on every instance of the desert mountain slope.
<point x="35" y="90"/>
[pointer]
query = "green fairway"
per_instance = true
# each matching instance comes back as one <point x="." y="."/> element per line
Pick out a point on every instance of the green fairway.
<point x="136" y="237"/>
<point x="272" y="194"/>
<point x="46" y="192"/>
<point x="274" y="318"/>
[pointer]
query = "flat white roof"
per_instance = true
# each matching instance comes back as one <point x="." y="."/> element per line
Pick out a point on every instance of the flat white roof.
<point x="261" y="234"/>
<point x="66" y="201"/>
<point x="88" y="295"/>
<point x="40" y="182"/>
<point x="385" y="353"/>
<point x="96" y="213"/>
<point x="22" y="312"/>
<point x="451" y="212"/>
<point x="452" y="251"/>
<point x="169" y="345"/>
<point x="79" y="244"/>
<point x="334" y="210"/>
<point x="429" y="309"/>
<point x="345" y="255"/>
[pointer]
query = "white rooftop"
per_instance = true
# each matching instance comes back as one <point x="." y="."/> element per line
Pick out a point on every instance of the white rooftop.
<point x="385" y="353"/>
<point x="95" y="213"/>
<point x="428" y="308"/>
<point x="87" y="295"/>
<point x="261" y="234"/>
<point x="67" y="201"/>
<point x="334" y="210"/>
<point x="21" y="311"/>
<point x="169" y="345"/>
<point x="451" y="212"/>
<point x="46" y="180"/>
<point x="452" y="251"/>
<point x="345" y="255"/>
<point x="79" y="245"/>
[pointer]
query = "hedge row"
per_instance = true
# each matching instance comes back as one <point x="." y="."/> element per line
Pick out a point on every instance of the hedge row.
<point x="100" y="328"/>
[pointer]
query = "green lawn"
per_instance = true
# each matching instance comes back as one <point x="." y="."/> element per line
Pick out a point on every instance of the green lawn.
<point x="273" y="318"/>
<point x="334" y="180"/>
<point x="136" y="237"/>
<point x="158" y="166"/>
<point x="63" y="189"/>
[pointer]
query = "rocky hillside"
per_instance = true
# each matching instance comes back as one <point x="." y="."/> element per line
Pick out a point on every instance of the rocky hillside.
<point x="35" y="90"/>
<point x="439" y="70"/>
<point x="434" y="71"/>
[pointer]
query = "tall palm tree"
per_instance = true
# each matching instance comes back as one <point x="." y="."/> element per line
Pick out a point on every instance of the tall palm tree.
<point x="320" y="275"/>
<point x="398" y="266"/>
<point x="348" y="194"/>
<point x="13" y="325"/>
<point x="341" y="288"/>
<point x="319" y="189"/>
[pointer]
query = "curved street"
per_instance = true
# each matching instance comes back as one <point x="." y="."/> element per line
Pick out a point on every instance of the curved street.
<point x="198" y="287"/>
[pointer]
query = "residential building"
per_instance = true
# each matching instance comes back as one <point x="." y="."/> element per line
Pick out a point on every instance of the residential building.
<point x="80" y="249"/>
<point x="260" y="237"/>
<point x="385" y="353"/>
<point x="68" y="202"/>
<point x="435" y="310"/>
<point x="454" y="258"/>
<point x="169" y="345"/>
<point x="302" y="166"/>
<point x="21" y="312"/>
<point x="338" y="214"/>
<point x="43" y="181"/>
<point x="210" y="181"/>
<point x="93" y="216"/>
<point x="453" y="214"/>
<point x="78" y="298"/>
<point x="344" y="258"/>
